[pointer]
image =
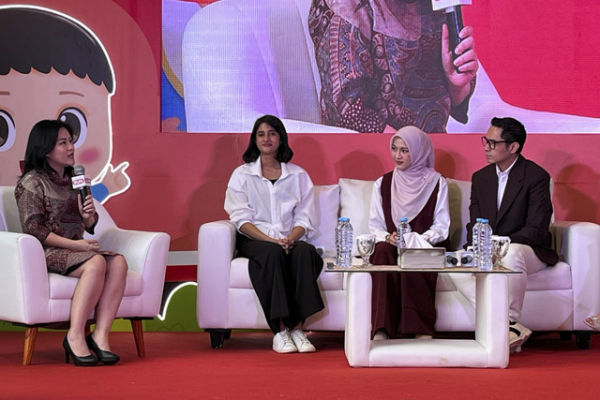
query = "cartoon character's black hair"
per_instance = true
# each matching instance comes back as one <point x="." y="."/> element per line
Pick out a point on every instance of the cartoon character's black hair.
<point x="44" y="40"/>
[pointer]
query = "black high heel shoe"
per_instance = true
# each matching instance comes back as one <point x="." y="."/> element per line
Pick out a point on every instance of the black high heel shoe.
<point x="105" y="357"/>
<point x="85" y="361"/>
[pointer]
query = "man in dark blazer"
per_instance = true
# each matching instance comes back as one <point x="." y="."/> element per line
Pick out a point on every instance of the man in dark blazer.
<point x="513" y="193"/>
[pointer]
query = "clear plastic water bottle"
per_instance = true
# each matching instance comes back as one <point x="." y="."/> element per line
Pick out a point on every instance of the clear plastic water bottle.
<point x="475" y="240"/>
<point x="403" y="227"/>
<point x="338" y="240"/>
<point x="347" y="240"/>
<point x="485" y="261"/>
<point x="344" y="236"/>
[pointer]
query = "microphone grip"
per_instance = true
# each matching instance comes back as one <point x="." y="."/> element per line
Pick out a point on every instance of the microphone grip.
<point x="455" y="25"/>
<point x="84" y="192"/>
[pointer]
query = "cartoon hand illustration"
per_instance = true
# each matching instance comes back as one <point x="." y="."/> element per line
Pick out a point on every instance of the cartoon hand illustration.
<point x="115" y="180"/>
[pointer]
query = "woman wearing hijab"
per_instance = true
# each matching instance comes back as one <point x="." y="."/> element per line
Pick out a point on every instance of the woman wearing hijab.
<point x="403" y="304"/>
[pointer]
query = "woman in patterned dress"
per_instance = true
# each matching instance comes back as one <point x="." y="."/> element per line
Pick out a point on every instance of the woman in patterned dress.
<point x="51" y="211"/>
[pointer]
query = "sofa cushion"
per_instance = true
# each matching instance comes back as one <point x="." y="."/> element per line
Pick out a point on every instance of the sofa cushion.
<point x="239" y="277"/>
<point x="459" y="197"/>
<point x="9" y="212"/>
<point x="355" y="203"/>
<point x="557" y="277"/>
<point x="327" y="205"/>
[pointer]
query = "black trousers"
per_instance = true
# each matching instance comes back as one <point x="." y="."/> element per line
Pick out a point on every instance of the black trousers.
<point x="286" y="284"/>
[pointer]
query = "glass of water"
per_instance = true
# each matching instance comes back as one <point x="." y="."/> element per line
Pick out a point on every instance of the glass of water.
<point x="500" y="246"/>
<point x="365" y="245"/>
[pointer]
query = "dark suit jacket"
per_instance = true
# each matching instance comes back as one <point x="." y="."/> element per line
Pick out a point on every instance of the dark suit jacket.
<point x="526" y="208"/>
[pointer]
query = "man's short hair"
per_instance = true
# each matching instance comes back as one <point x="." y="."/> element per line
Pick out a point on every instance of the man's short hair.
<point x="512" y="131"/>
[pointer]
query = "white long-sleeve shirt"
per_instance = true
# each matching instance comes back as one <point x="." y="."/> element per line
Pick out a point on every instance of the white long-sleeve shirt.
<point x="437" y="232"/>
<point x="276" y="208"/>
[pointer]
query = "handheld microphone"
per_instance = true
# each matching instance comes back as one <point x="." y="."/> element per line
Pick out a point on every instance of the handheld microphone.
<point x="453" y="19"/>
<point x="81" y="181"/>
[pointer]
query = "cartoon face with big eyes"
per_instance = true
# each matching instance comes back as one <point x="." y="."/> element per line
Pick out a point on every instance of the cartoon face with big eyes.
<point x="29" y="98"/>
<point x="58" y="71"/>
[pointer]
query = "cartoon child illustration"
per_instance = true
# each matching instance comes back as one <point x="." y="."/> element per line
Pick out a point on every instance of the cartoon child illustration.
<point x="59" y="70"/>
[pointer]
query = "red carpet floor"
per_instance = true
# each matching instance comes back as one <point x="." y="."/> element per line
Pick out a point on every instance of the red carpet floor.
<point x="182" y="365"/>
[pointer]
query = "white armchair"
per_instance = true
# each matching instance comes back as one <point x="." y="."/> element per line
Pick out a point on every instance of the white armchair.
<point x="32" y="297"/>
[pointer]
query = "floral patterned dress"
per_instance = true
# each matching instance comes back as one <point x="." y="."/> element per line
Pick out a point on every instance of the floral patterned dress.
<point x="47" y="203"/>
<point x="379" y="70"/>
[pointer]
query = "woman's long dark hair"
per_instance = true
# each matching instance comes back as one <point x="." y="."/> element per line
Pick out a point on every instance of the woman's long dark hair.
<point x="42" y="140"/>
<point x="284" y="152"/>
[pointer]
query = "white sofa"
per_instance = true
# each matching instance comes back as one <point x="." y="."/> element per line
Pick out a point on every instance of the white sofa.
<point x="557" y="298"/>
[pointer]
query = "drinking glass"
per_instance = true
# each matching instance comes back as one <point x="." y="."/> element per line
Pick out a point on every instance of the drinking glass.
<point x="499" y="249"/>
<point x="365" y="245"/>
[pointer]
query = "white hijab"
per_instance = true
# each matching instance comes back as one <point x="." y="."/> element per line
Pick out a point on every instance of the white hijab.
<point x="412" y="187"/>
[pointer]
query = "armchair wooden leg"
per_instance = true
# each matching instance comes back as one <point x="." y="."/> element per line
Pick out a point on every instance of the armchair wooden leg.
<point x="30" y="336"/>
<point x="138" y="335"/>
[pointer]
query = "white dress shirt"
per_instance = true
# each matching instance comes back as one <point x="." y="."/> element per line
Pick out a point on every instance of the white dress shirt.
<point x="437" y="232"/>
<point x="276" y="208"/>
<point x="502" y="180"/>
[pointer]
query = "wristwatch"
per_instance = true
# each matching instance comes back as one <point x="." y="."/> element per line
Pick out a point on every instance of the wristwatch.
<point x="387" y="238"/>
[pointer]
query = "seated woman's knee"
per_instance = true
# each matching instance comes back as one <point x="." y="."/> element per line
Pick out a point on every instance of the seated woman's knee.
<point x="274" y="249"/>
<point x="117" y="264"/>
<point x="303" y="248"/>
<point x="96" y="264"/>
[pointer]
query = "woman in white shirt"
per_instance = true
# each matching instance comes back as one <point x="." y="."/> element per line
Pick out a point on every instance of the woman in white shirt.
<point x="403" y="304"/>
<point x="270" y="201"/>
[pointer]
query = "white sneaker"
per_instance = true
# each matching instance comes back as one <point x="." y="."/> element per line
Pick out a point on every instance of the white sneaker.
<point x="301" y="341"/>
<point x="517" y="335"/>
<point x="380" y="335"/>
<point x="423" y="337"/>
<point x="282" y="342"/>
